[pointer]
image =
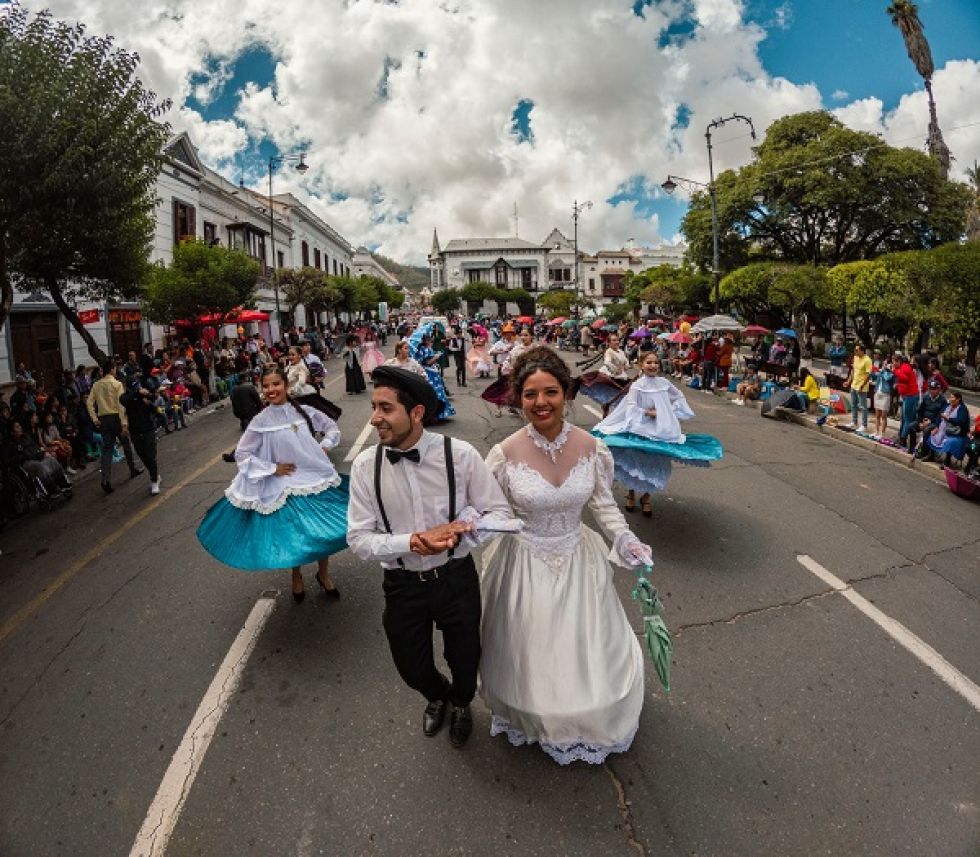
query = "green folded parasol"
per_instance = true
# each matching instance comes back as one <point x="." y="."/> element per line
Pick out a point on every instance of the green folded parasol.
<point x="655" y="630"/>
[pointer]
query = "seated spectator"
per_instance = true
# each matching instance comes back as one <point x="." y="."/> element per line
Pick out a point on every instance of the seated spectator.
<point x="50" y="440"/>
<point x="68" y="429"/>
<point x="930" y="415"/>
<point x="777" y="354"/>
<point x="971" y="466"/>
<point x="749" y="387"/>
<point x="935" y="374"/>
<point x="20" y="450"/>
<point x="949" y="438"/>
<point x="807" y="393"/>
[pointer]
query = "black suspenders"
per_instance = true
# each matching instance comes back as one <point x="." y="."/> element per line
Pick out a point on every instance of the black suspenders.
<point x="450" y="478"/>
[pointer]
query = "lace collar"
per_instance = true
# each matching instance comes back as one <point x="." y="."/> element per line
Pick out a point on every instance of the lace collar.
<point x="551" y="448"/>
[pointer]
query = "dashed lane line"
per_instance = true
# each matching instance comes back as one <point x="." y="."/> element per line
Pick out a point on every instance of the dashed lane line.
<point x="164" y="812"/>
<point x="899" y="633"/>
<point x="355" y="450"/>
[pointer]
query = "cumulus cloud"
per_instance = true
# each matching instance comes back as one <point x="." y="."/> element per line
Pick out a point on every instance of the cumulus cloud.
<point x="406" y="109"/>
<point x="955" y="88"/>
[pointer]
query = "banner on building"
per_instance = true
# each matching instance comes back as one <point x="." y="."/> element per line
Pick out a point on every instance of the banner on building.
<point x="89" y="316"/>
<point x="383" y="311"/>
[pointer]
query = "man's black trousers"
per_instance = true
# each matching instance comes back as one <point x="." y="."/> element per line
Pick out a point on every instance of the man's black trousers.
<point x="452" y="604"/>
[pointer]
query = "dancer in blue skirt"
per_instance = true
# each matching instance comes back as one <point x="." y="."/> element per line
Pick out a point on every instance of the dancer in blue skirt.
<point x="643" y="432"/>
<point x="287" y="506"/>
<point x="420" y="346"/>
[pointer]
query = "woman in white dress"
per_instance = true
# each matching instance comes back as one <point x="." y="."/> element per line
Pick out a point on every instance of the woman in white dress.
<point x="609" y="381"/>
<point x="561" y="665"/>
<point x="645" y="436"/>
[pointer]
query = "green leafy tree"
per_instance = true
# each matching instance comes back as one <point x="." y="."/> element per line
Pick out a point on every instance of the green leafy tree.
<point x="298" y="286"/>
<point x="523" y="299"/>
<point x="905" y="16"/>
<point x="558" y="302"/>
<point x="819" y="193"/>
<point x="445" y="301"/>
<point x="615" y="313"/>
<point x="201" y="280"/>
<point x="873" y="292"/>
<point x="81" y="146"/>
<point x="792" y="293"/>
<point x="474" y="294"/>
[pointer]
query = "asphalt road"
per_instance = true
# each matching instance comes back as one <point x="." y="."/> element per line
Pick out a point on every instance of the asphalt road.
<point x="796" y="724"/>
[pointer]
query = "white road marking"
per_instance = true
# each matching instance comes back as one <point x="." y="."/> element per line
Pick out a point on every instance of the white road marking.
<point x="593" y="410"/>
<point x="359" y="444"/>
<point x="161" y="819"/>
<point x="899" y="633"/>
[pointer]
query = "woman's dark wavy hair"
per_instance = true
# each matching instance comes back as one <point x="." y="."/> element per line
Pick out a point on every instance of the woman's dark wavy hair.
<point x="540" y="358"/>
<point x="276" y="369"/>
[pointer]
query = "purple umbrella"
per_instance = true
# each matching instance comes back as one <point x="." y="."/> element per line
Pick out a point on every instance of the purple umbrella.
<point x="640" y="333"/>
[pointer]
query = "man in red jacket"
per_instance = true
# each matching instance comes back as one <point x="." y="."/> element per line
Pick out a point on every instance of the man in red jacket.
<point x="907" y="387"/>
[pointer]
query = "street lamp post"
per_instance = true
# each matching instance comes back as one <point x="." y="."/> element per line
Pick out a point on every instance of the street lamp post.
<point x="671" y="184"/>
<point x="301" y="167"/>
<point x="577" y="209"/>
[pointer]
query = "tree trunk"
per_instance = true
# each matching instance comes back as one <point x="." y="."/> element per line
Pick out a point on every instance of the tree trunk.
<point x="96" y="353"/>
<point x="936" y="144"/>
<point x="971" y="352"/>
<point x="6" y="289"/>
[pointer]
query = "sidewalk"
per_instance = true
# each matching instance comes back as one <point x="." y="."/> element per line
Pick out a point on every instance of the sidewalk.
<point x="928" y="469"/>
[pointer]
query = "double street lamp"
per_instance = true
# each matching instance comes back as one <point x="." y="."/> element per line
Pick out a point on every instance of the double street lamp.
<point x="301" y="167"/>
<point x="671" y="184"/>
<point x="577" y="209"/>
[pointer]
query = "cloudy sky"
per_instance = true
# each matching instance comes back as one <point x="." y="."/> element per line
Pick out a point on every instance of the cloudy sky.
<point x="445" y="113"/>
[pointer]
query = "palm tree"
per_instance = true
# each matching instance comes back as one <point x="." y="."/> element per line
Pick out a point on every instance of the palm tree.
<point x="905" y="16"/>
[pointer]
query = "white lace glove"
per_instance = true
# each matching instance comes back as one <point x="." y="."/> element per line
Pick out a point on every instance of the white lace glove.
<point x="637" y="553"/>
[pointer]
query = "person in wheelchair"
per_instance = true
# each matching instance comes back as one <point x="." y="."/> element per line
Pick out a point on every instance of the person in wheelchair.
<point x="20" y="451"/>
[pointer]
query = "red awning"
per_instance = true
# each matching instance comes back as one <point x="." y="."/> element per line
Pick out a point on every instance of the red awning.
<point x="236" y="316"/>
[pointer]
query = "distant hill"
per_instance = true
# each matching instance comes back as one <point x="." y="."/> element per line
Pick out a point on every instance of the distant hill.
<point x="412" y="278"/>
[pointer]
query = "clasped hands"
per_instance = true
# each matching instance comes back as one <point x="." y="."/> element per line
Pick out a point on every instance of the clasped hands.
<point x="439" y="539"/>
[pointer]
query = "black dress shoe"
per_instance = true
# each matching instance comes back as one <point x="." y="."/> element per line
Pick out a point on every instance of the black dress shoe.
<point x="460" y="725"/>
<point x="332" y="594"/>
<point x="107" y="488"/>
<point x="434" y="716"/>
<point x="229" y="457"/>
<point x="134" y="472"/>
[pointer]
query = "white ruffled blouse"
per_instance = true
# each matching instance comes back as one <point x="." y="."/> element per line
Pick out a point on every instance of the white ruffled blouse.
<point x="645" y="393"/>
<point x="280" y="435"/>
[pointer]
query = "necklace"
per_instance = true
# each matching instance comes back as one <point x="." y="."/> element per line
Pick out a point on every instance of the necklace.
<point x="551" y="448"/>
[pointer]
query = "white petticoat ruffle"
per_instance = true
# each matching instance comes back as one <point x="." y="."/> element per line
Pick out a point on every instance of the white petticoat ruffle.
<point x="565" y="753"/>
<point x="253" y="505"/>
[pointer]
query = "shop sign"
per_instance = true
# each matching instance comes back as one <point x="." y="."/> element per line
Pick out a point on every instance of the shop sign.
<point x="89" y="316"/>
<point x="122" y="316"/>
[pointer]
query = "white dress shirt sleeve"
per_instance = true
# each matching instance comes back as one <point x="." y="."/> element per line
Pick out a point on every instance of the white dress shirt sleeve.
<point x="363" y="529"/>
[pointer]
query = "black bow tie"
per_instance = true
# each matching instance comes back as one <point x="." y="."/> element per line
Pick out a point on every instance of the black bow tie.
<point x="396" y="455"/>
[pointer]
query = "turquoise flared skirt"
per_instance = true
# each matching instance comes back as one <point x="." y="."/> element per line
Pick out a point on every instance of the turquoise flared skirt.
<point x="307" y="528"/>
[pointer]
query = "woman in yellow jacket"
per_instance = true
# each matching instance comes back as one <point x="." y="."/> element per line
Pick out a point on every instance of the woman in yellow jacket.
<point x="808" y="392"/>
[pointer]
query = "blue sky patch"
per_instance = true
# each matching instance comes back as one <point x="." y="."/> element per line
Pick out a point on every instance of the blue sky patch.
<point x="255" y="64"/>
<point x="521" y="121"/>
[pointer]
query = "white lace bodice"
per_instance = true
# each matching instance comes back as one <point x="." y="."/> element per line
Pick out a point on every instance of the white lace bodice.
<point x="552" y="513"/>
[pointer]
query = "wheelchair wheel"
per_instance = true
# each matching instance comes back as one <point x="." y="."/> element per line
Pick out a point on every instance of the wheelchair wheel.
<point x="20" y="495"/>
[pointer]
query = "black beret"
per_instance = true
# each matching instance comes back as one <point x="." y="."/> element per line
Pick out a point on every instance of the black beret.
<point x="412" y="383"/>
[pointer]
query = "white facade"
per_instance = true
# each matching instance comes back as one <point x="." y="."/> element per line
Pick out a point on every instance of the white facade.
<point x="365" y="265"/>
<point x="602" y="274"/>
<point x="192" y="201"/>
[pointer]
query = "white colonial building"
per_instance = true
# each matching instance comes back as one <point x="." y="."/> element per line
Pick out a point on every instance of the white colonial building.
<point x="516" y="263"/>
<point x="193" y="201"/>
<point x="365" y="265"/>
<point x="602" y="274"/>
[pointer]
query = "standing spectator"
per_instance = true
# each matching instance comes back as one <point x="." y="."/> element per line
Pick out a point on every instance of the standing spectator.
<point x="138" y="400"/>
<point x="936" y="374"/>
<point x="23" y="398"/>
<point x="907" y="386"/>
<point x="884" y="381"/>
<point x="82" y="381"/>
<point x="726" y="352"/>
<point x="131" y="366"/>
<point x="245" y="402"/>
<point x="585" y="338"/>
<point x="146" y="360"/>
<point x="858" y="379"/>
<point x="710" y="366"/>
<point x="837" y="352"/>
<point x="109" y="417"/>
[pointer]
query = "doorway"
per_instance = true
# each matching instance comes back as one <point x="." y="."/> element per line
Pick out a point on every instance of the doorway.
<point x="36" y="342"/>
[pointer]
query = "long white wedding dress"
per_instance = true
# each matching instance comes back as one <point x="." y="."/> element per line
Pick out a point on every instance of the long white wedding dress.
<point x="561" y="665"/>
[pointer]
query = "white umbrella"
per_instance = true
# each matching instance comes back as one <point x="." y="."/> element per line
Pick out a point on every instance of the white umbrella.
<point x="717" y="322"/>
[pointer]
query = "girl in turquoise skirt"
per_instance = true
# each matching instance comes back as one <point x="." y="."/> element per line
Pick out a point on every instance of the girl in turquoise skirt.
<point x="287" y="506"/>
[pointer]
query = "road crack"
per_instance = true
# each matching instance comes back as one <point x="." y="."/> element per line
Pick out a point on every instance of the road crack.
<point x="624" y="806"/>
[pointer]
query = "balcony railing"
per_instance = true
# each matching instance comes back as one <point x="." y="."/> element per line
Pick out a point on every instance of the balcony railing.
<point x="613" y="291"/>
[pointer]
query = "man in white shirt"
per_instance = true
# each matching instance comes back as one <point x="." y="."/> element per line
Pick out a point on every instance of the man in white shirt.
<point x="419" y="513"/>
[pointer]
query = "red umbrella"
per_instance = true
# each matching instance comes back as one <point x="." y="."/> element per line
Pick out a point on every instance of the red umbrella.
<point x="599" y="322"/>
<point x="755" y="330"/>
<point x="558" y="320"/>
<point x="525" y="319"/>
<point x="681" y="338"/>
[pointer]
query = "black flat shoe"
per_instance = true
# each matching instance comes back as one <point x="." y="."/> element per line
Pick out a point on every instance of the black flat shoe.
<point x="460" y="725"/>
<point x="333" y="594"/>
<point x="299" y="596"/>
<point x="136" y="471"/>
<point x="434" y="716"/>
<point x="229" y="457"/>
<point x="107" y="488"/>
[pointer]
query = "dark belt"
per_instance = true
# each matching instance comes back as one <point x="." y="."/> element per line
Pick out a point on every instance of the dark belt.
<point x="429" y="574"/>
